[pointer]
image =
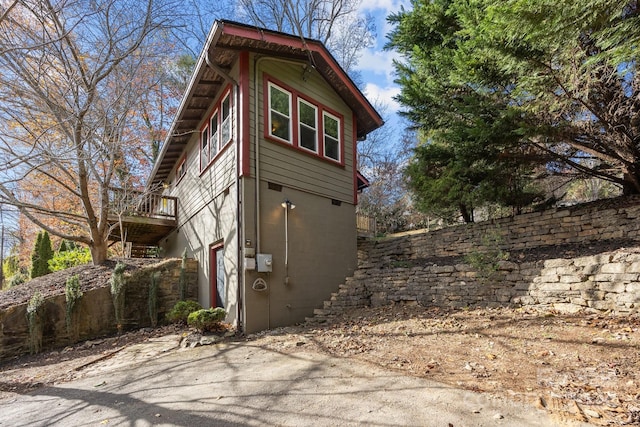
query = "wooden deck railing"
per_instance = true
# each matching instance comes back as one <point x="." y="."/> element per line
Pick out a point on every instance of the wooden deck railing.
<point x="147" y="205"/>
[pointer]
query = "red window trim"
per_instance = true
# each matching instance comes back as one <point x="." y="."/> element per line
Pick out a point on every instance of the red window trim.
<point x="294" y="144"/>
<point x="220" y="146"/>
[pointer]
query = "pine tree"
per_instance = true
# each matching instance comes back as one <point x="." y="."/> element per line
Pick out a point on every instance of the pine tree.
<point x="46" y="253"/>
<point x="35" y="257"/>
<point x="42" y="253"/>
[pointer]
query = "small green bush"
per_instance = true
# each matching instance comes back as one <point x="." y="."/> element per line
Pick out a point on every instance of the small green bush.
<point x="17" y="279"/>
<point x="181" y="311"/>
<point x="69" y="258"/>
<point x="206" y="320"/>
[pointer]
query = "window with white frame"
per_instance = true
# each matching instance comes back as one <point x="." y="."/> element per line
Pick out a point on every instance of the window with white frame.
<point x="279" y="113"/>
<point x="181" y="171"/>
<point x="308" y="125"/>
<point x="204" y="147"/>
<point x="225" y="121"/>
<point x="213" y="125"/>
<point x="332" y="143"/>
<point x="217" y="131"/>
<point x="295" y="119"/>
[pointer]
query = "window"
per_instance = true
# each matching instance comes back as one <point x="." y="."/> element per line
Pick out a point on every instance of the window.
<point x="297" y="120"/>
<point x="331" y="125"/>
<point x="204" y="147"/>
<point x="279" y="113"/>
<point x="217" y="131"/>
<point x="182" y="169"/>
<point x="308" y="117"/>
<point x="214" y="134"/>
<point x="225" y="123"/>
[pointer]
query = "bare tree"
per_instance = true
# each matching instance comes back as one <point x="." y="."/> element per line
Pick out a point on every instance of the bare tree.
<point x="72" y="76"/>
<point x="336" y="23"/>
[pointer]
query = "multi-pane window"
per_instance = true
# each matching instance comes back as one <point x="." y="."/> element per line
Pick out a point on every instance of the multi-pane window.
<point x="217" y="132"/>
<point x="308" y="118"/>
<point x="331" y="125"/>
<point x="182" y="169"/>
<point x="225" y="123"/>
<point x="204" y="145"/>
<point x="307" y="125"/>
<point x="279" y="113"/>
<point x="214" y="134"/>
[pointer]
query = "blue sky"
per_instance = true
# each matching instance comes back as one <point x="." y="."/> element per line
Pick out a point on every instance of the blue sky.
<point x="376" y="64"/>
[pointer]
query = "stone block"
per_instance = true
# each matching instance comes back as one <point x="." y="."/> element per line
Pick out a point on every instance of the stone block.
<point x="546" y="278"/>
<point x="555" y="287"/>
<point x="558" y="262"/>
<point x="615" y="268"/>
<point x="634" y="267"/>
<point x="573" y="278"/>
<point x="615" y="287"/>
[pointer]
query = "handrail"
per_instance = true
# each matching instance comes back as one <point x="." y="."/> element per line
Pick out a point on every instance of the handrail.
<point x="147" y="205"/>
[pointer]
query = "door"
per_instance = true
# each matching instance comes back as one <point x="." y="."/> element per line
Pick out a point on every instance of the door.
<point x="217" y="276"/>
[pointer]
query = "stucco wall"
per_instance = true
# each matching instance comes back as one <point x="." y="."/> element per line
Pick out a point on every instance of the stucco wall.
<point x="94" y="313"/>
<point x="322" y="252"/>
<point x="430" y="268"/>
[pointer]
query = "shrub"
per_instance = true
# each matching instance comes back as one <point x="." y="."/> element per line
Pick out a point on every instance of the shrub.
<point x="181" y="311"/>
<point x="69" y="258"/>
<point x="42" y="253"/>
<point x="17" y="279"/>
<point x="206" y="320"/>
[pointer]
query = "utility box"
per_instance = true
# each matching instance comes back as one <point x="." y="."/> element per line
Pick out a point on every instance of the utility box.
<point x="264" y="263"/>
<point x="249" y="263"/>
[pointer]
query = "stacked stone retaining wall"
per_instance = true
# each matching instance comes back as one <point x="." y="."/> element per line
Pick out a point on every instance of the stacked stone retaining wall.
<point x="93" y="315"/>
<point x="599" y="265"/>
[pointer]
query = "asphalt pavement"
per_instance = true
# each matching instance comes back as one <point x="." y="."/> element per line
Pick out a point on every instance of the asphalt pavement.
<point x="243" y="384"/>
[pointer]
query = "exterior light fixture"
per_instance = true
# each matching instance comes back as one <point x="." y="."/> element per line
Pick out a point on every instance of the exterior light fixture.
<point x="287" y="204"/>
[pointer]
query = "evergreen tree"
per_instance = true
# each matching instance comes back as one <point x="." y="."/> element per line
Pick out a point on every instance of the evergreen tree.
<point x="35" y="257"/>
<point x="523" y="84"/>
<point x="42" y="253"/>
<point x="46" y="252"/>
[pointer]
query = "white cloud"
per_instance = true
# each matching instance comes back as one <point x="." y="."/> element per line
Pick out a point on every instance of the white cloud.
<point x="377" y="94"/>
<point x="379" y="63"/>
<point x="386" y="5"/>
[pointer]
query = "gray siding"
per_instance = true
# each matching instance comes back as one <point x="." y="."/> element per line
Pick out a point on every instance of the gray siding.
<point x="207" y="213"/>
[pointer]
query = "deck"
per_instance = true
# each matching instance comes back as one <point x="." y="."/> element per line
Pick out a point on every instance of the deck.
<point x="146" y="218"/>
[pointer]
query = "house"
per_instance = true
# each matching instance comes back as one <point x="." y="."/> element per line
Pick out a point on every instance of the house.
<point x="261" y="159"/>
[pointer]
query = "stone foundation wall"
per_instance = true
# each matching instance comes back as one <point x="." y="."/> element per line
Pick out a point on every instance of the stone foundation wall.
<point x="93" y="315"/>
<point x="429" y="268"/>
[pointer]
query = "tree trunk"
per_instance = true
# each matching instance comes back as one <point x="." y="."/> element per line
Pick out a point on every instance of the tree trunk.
<point x="631" y="184"/>
<point x="98" y="252"/>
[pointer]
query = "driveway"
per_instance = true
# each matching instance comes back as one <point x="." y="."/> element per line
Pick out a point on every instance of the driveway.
<point x="243" y="384"/>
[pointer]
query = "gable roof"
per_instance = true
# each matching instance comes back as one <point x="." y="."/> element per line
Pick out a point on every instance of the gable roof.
<point x="225" y="42"/>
